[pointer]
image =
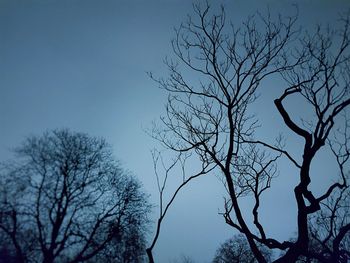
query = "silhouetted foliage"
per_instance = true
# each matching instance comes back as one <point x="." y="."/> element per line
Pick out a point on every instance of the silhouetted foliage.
<point x="65" y="199"/>
<point x="210" y="119"/>
<point x="237" y="250"/>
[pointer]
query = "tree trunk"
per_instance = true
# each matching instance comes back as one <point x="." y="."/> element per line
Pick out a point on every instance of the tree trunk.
<point x="150" y="255"/>
<point x="48" y="258"/>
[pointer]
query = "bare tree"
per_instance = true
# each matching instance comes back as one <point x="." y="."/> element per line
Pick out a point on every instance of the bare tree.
<point x="162" y="172"/>
<point x="67" y="200"/>
<point x="237" y="250"/>
<point x="329" y="229"/>
<point x="322" y="81"/>
<point x="210" y="118"/>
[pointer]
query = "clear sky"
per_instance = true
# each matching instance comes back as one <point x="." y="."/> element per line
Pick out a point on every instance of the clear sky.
<point x="81" y="64"/>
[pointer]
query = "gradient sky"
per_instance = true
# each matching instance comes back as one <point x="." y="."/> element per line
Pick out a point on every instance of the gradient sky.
<point x="81" y="64"/>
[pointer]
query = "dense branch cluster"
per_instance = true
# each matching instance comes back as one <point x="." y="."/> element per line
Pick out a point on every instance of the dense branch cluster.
<point x="67" y="200"/>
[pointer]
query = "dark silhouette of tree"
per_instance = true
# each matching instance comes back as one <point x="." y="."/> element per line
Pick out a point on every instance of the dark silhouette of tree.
<point x="322" y="81"/>
<point x="210" y="119"/>
<point x="328" y="228"/>
<point x="237" y="250"/>
<point x="162" y="172"/>
<point x="65" y="199"/>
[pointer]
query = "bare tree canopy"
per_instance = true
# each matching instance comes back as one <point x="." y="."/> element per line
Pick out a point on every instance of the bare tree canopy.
<point x="210" y="118"/>
<point x="65" y="199"/>
<point x="237" y="250"/>
<point x="329" y="229"/>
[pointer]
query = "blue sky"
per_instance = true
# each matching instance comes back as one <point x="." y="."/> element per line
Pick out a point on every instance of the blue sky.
<point x="82" y="64"/>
